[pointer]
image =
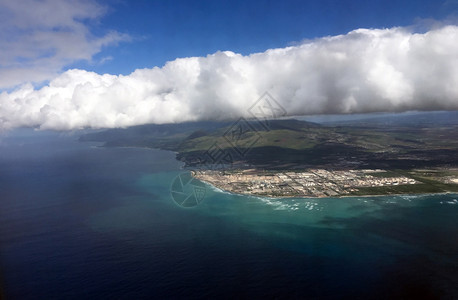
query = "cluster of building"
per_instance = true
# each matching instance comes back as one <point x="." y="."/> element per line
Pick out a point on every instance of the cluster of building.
<point x="310" y="183"/>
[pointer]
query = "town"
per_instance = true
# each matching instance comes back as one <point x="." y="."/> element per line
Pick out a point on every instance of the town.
<point x="308" y="183"/>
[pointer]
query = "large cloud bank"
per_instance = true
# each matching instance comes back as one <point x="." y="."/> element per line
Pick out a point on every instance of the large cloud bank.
<point x="366" y="70"/>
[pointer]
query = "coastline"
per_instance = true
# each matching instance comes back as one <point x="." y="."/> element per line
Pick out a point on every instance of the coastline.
<point x="222" y="190"/>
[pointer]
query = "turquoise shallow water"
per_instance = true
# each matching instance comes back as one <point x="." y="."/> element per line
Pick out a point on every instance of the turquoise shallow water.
<point x="78" y="221"/>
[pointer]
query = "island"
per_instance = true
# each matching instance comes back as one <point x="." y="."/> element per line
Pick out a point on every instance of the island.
<point x="295" y="158"/>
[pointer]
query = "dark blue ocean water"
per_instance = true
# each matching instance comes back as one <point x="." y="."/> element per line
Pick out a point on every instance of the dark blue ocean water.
<point x="82" y="222"/>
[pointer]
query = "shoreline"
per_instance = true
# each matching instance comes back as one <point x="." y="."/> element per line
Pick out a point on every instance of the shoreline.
<point x="183" y="167"/>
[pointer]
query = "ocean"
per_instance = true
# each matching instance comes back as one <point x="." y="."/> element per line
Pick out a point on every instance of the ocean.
<point x="79" y="221"/>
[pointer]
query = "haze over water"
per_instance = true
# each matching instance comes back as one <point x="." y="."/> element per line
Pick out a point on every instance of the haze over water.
<point x="80" y="221"/>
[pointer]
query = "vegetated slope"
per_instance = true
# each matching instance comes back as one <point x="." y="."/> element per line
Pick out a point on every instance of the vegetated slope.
<point x="292" y="143"/>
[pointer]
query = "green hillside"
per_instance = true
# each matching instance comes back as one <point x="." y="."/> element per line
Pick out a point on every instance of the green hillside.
<point x="292" y="143"/>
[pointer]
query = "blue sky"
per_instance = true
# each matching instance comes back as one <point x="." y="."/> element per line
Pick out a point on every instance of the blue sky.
<point x="164" y="30"/>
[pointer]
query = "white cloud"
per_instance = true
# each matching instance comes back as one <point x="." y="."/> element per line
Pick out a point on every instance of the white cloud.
<point x="105" y="59"/>
<point x="39" y="38"/>
<point x="366" y="70"/>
